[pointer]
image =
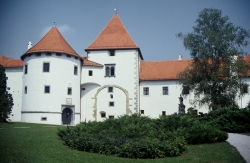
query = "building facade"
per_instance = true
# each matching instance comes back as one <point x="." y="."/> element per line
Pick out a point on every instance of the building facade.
<point x="52" y="84"/>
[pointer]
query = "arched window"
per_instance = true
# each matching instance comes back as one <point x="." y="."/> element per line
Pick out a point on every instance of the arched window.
<point x="112" y="71"/>
<point x="107" y="71"/>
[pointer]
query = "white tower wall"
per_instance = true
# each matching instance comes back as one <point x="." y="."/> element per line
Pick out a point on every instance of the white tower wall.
<point x="38" y="105"/>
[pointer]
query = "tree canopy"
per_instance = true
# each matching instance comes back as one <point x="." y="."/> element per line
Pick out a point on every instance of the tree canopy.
<point x="216" y="72"/>
<point x="6" y="100"/>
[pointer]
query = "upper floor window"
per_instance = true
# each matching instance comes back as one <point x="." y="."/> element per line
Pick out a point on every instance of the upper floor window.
<point x="90" y="73"/>
<point x="75" y="70"/>
<point x="45" y="67"/>
<point x="165" y="90"/>
<point x="25" y="90"/>
<point x="110" y="70"/>
<point x="185" y="89"/>
<point x="48" y="54"/>
<point x="145" y="91"/>
<point x="26" y="69"/>
<point x="46" y="89"/>
<point x="112" y="103"/>
<point x="111" y="53"/>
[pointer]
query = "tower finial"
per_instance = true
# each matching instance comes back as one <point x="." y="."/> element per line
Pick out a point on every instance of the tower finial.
<point x="115" y="9"/>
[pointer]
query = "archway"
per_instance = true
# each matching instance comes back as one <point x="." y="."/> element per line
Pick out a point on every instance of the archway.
<point x="128" y="111"/>
<point x="67" y="116"/>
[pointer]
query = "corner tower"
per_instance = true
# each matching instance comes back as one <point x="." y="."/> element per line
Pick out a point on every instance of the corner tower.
<point x="116" y="92"/>
<point x="51" y="81"/>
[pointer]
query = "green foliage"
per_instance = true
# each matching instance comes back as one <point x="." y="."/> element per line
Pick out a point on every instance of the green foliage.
<point x="138" y="136"/>
<point x="6" y="100"/>
<point x="229" y="119"/>
<point x="213" y="73"/>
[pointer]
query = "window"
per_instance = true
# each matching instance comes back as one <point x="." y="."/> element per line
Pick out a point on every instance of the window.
<point x="48" y="54"/>
<point x="45" y="67"/>
<point x="38" y="54"/>
<point x="46" y="89"/>
<point x="90" y="73"/>
<point x="103" y="114"/>
<point x="165" y="90"/>
<point x="110" y="70"/>
<point x="8" y="88"/>
<point x="111" y="95"/>
<point x="43" y="118"/>
<point x="112" y="103"/>
<point x="69" y="56"/>
<point x="75" y="70"/>
<point x="163" y="112"/>
<point x="69" y="91"/>
<point x="110" y="89"/>
<point x="58" y="54"/>
<point x="142" y="111"/>
<point x="76" y="58"/>
<point x="111" y="117"/>
<point x="185" y="90"/>
<point x="111" y="53"/>
<point x="145" y="91"/>
<point x="25" y="90"/>
<point x="26" y="69"/>
<point x="244" y="88"/>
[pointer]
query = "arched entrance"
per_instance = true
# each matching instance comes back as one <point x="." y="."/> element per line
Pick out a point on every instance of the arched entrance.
<point x="128" y="110"/>
<point x="67" y="116"/>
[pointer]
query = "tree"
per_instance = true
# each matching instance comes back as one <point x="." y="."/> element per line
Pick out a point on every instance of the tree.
<point x="217" y="50"/>
<point x="6" y="100"/>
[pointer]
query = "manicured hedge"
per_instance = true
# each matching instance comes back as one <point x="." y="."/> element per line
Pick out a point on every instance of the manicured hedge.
<point x="229" y="119"/>
<point x="138" y="136"/>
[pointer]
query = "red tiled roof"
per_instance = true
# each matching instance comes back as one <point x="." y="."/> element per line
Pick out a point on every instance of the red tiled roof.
<point x="247" y="58"/>
<point x="53" y="41"/>
<point x="162" y="70"/>
<point x="113" y="36"/>
<point x="87" y="62"/>
<point x="9" y="62"/>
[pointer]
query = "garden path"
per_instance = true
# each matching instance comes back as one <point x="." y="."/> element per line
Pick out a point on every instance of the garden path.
<point x="242" y="143"/>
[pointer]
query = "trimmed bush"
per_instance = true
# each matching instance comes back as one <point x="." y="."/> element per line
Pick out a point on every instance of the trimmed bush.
<point x="229" y="119"/>
<point x="138" y="136"/>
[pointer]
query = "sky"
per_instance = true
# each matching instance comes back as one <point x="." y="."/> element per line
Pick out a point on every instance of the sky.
<point x="152" y="24"/>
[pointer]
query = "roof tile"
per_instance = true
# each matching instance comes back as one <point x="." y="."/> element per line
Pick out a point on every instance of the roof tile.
<point x="9" y="62"/>
<point x="87" y="62"/>
<point x="113" y="36"/>
<point x="53" y="41"/>
<point x="162" y="70"/>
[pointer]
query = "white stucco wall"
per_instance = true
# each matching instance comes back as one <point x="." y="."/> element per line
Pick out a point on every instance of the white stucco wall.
<point x="154" y="103"/>
<point x="243" y="101"/>
<point x="59" y="78"/>
<point x="14" y="82"/>
<point x="126" y="77"/>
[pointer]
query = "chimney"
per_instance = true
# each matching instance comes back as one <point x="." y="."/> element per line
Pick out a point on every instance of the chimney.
<point x="29" y="45"/>
<point x="180" y="57"/>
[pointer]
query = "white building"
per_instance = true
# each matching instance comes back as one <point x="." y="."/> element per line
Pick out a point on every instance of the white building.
<point x="53" y="84"/>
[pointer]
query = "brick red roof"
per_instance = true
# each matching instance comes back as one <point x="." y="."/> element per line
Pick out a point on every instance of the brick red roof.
<point x="10" y="62"/>
<point x="53" y="41"/>
<point x="113" y="36"/>
<point x="247" y="58"/>
<point x="162" y="70"/>
<point x="87" y="62"/>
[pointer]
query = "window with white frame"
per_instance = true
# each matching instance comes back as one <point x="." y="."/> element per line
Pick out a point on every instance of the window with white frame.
<point x="69" y="91"/>
<point x="46" y="67"/>
<point x="111" y="103"/>
<point x="46" y="89"/>
<point x="103" y="114"/>
<point x="110" y="89"/>
<point x="90" y="73"/>
<point x="110" y="70"/>
<point x="165" y="90"/>
<point x="26" y="69"/>
<point x="25" y="90"/>
<point x="145" y="90"/>
<point x="111" y="53"/>
<point x="75" y="70"/>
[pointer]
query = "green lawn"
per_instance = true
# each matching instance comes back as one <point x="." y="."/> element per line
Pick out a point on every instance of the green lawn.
<point x="34" y="143"/>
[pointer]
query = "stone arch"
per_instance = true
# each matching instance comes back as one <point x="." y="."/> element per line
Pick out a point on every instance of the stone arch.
<point x="128" y="111"/>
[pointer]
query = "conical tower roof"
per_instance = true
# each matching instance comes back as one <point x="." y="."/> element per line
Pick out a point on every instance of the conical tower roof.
<point x="113" y="36"/>
<point x="53" y="41"/>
